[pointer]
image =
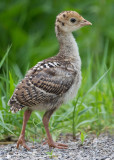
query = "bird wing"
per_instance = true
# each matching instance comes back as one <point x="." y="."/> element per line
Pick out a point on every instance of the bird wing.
<point x="42" y="85"/>
<point x="54" y="81"/>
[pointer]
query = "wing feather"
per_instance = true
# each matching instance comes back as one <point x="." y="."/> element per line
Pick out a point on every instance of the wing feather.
<point x="41" y="86"/>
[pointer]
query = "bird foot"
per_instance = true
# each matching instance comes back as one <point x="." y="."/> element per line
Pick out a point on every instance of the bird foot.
<point x="21" y="141"/>
<point x="56" y="145"/>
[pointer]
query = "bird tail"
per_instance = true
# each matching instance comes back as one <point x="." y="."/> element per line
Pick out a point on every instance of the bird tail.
<point x="15" y="105"/>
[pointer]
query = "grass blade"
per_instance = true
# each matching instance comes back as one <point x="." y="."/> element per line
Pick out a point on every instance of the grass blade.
<point x="96" y="83"/>
<point x="83" y="111"/>
<point x="1" y="117"/>
<point x="6" y="54"/>
<point x="5" y="127"/>
<point x="86" y="121"/>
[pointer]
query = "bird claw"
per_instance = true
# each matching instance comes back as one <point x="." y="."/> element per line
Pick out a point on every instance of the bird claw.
<point x="60" y="145"/>
<point x="45" y="142"/>
<point x="56" y="145"/>
<point x="21" y="141"/>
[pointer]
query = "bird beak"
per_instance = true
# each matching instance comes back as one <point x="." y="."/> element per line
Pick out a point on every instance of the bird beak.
<point x="84" y="22"/>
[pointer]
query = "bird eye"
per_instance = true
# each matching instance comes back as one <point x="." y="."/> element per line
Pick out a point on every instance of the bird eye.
<point x="73" y="20"/>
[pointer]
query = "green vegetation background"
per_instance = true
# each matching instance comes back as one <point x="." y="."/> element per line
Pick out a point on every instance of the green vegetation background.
<point x="29" y="27"/>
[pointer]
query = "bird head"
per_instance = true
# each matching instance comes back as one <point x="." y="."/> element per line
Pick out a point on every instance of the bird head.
<point x="69" y="21"/>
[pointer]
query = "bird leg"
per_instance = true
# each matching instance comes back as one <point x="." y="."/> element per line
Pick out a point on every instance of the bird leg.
<point x="50" y="141"/>
<point x="21" y="139"/>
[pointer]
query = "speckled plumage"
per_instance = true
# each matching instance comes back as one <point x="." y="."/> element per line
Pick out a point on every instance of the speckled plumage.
<point x="44" y="85"/>
<point x="53" y="81"/>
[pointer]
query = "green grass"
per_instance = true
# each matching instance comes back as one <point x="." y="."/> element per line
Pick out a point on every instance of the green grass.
<point x="91" y="111"/>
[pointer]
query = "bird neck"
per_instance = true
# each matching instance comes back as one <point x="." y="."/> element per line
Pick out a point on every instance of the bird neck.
<point x="68" y="45"/>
